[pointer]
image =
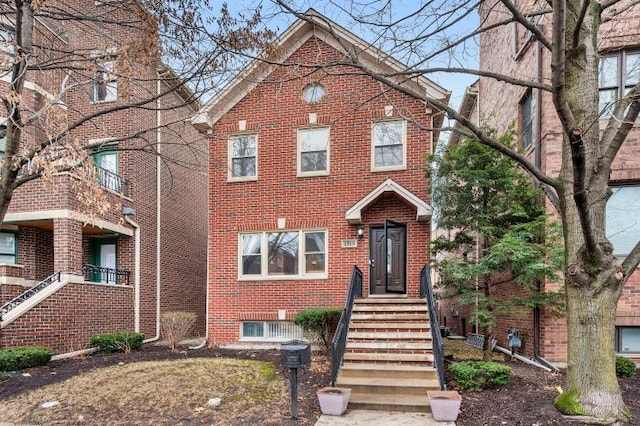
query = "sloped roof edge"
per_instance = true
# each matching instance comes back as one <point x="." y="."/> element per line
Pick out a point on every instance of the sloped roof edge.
<point x="290" y="40"/>
<point x="423" y="210"/>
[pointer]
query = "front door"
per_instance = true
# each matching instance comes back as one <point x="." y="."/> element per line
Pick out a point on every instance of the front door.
<point x="388" y="258"/>
<point x="104" y="255"/>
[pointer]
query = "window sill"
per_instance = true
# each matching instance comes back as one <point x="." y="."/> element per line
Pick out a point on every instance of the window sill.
<point x="312" y="174"/>
<point x="283" y="278"/>
<point x="106" y="101"/>
<point x="389" y="168"/>
<point x="242" y="179"/>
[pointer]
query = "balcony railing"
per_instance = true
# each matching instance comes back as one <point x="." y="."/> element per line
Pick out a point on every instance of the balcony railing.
<point x="99" y="274"/>
<point x="112" y="181"/>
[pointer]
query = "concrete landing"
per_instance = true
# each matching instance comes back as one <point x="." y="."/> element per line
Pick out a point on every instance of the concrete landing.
<point x="386" y="418"/>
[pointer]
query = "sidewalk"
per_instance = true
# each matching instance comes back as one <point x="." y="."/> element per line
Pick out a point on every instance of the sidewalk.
<point x="386" y="418"/>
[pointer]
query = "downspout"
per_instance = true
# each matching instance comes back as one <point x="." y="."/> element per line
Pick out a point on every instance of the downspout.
<point x="136" y="274"/>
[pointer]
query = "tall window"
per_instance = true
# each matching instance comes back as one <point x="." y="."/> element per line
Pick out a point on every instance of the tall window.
<point x="7" y="49"/>
<point x="313" y="151"/>
<point x="3" y="138"/>
<point x="618" y="73"/>
<point x="283" y="254"/>
<point x="243" y="151"/>
<point x="107" y="166"/>
<point x="526" y="120"/>
<point x="388" y="138"/>
<point x="105" y="83"/>
<point x="622" y="221"/>
<point x="8" y="248"/>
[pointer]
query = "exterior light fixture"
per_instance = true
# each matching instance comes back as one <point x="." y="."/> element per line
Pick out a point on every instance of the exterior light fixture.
<point x="360" y="232"/>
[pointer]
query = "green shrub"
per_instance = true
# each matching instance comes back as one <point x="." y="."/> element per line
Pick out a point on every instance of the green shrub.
<point x="122" y="341"/>
<point x="625" y="367"/>
<point x="319" y="324"/>
<point x="19" y="358"/>
<point x="478" y="375"/>
<point x="176" y="326"/>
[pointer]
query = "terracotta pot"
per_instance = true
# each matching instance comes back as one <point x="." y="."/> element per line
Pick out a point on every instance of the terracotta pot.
<point x="334" y="401"/>
<point x="445" y="405"/>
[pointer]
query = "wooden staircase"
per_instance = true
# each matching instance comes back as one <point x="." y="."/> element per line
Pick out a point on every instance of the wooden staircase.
<point x="388" y="361"/>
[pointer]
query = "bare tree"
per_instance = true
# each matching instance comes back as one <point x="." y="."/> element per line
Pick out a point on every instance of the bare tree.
<point x="570" y="33"/>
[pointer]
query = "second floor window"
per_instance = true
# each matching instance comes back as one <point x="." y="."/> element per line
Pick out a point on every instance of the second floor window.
<point x="622" y="219"/>
<point x="105" y="84"/>
<point x="526" y="121"/>
<point x="388" y="139"/>
<point x="618" y="74"/>
<point x="313" y="151"/>
<point x="107" y="166"/>
<point x="3" y="138"/>
<point x="243" y="155"/>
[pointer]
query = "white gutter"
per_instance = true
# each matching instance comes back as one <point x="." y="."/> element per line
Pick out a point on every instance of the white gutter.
<point x="136" y="273"/>
<point x="522" y="358"/>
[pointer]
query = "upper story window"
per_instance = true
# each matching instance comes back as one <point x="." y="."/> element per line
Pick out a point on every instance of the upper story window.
<point x="8" y="248"/>
<point x="313" y="92"/>
<point x="3" y="137"/>
<point x="618" y="74"/>
<point x="622" y="219"/>
<point x="388" y="145"/>
<point x="7" y="48"/>
<point x="285" y="254"/>
<point x="243" y="157"/>
<point x="526" y="120"/>
<point x="313" y="151"/>
<point x="104" y="82"/>
<point x="106" y="160"/>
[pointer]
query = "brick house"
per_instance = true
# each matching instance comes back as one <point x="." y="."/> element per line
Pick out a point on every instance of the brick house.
<point x="116" y="270"/>
<point x="512" y="51"/>
<point x="309" y="170"/>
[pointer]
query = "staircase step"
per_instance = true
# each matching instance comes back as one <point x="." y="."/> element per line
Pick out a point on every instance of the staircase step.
<point x="390" y="308"/>
<point x="387" y="300"/>
<point x="390" y="345"/>
<point x="404" y="335"/>
<point x="388" y="317"/>
<point x="389" y="357"/>
<point x="395" y="371"/>
<point x="385" y="385"/>
<point x="390" y="402"/>
<point x="389" y="325"/>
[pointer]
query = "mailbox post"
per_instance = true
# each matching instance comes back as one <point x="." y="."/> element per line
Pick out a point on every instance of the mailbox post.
<point x="295" y="354"/>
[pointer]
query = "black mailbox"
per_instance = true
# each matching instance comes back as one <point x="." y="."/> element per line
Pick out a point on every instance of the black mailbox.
<point x="295" y="354"/>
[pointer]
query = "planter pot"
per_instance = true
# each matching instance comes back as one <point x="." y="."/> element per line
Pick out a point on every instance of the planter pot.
<point x="445" y="405"/>
<point x="333" y="401"/>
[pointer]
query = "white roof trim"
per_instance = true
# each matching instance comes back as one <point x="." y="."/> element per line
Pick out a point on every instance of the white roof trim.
<point x="423" y="210"/>
<point x="294" y="37"/>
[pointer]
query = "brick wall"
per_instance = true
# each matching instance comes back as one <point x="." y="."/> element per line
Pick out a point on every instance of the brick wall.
<point x="275" y="110"/>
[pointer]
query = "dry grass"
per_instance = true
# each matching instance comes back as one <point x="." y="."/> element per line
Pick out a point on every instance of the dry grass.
<point x="459" y="350"/>
<point x="154" y="392"/>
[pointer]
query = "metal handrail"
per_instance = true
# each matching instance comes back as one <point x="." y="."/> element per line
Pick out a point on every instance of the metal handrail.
<point x="16" y="301"/>
<point x="339" y="341"/>
<point x="105" y="275"/>
<point x="426" y="291"/>
<point x="113" y="181"/>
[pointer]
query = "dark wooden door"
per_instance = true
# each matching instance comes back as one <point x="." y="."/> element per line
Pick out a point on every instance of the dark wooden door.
<point x="388" y="259"/>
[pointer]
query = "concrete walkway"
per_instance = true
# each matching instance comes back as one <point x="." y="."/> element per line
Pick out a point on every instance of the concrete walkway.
<point x="386" y="418"/>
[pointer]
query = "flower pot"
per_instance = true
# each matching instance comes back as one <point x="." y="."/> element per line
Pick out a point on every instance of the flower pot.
<point x="445" y="405"/>
<point x="333" y="401"/>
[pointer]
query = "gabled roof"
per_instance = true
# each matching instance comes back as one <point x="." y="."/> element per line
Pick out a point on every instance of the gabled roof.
<point x="292" y="39"/>
<point x="423" y="210"/>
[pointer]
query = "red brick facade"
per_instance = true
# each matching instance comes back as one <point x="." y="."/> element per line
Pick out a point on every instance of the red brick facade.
<point x="281" y="200"/>
<point x="55" y="233"/>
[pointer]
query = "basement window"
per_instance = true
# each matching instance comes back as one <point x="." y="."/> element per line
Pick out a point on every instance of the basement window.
<point x="627" y="340"/>
<point x="275" y="331"/>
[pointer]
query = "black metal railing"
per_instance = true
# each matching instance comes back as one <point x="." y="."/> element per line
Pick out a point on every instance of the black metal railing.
<point x="16" y="301"/>
<point x="339" y="341"/>
<point x="112" y="181"/>
<point x="99" y="274"/>
<point x="426" y="291"/>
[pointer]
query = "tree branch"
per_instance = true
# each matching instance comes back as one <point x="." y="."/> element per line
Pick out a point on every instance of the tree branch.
<point x="618" y="127"/>
<point x="575" y="40"/>
<point x="525" y="22"/>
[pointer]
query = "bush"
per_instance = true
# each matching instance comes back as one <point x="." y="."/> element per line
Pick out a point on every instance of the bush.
<point x="625" y="367"/>
<point x="176" y="326"/>
<point x="478" y="375"/>
<point x="319" y="324"/>
<point x="19" y="358"/>
<point x="123" y="341"/>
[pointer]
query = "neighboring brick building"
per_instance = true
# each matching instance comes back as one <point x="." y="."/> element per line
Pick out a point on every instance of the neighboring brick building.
<point x="147" y="253"/>
<point x="306" y="168"/>
<point x="512" y="51"/>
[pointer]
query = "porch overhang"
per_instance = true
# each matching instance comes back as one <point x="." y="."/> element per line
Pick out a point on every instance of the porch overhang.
<point x="423" y="209"/>
<point x="44" y="219"/>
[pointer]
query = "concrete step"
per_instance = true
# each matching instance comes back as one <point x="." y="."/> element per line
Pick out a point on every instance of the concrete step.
<point x="387" y="300"/>
<point x="389" y="357"/>
<point x="390" y="325"/>
<point x="381" y="336"/>
<point x="390" y="308"/>
<point x="394" y="371"/>
<point x="393" y="317"/>
<point x="376" y="385"/>
<point x="390" y="402"/>
<point x="390" y="345"/>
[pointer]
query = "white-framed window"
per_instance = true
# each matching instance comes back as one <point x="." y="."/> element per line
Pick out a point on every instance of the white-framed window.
<point x="526" y="120"/>
<point x="622" y="219"/>
<point x="3" y="136"/>
<point x="313" y="93"/>
<point x="8" y="248"/>
<point x="619" y="72"/>
<point x="104" y="85"/>
<point x="627" y="340"/>
<point x="276" y="331"/>
<point x="283" y="254"/>
<point x="243" y="157"/>
<point x="7" y="48"/>
<point x="388" y="145"/>
<point x="313" y="151"/>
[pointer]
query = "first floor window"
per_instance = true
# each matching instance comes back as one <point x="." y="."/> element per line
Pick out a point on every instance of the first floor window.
<point x="627" y="339"/>
<point x="243" y="157"/>
<point x="388" y="144"/>
<point x="622" y="219"/>
<point x="287" y="253"/>
<point x="270" y="330"/>
<point x="8" y="248"/>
